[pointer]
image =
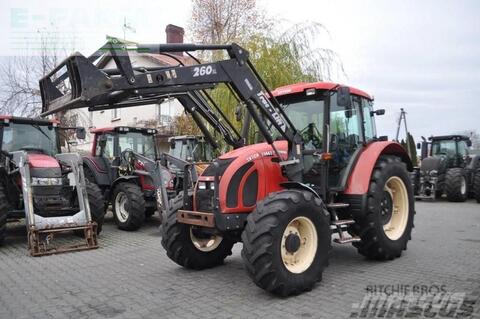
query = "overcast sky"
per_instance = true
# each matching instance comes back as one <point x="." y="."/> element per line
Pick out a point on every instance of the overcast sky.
<point x="423" y="56"/>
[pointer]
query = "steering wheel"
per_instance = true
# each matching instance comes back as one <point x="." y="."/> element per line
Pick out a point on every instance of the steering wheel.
<point x="311" y="133"/>
<point x="127" y="159"/>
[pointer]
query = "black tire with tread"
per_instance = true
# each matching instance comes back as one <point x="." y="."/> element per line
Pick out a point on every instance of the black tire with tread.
<point x="97" y="204"/>
<point x="476" y="185"/>
<point x="136" y="206"/>
<point x="374" y="242"/>
<point x="179" y="247"/>
<point x="262" y="237"/>
<point x="4" y="209"/>
<point x="453" y="184"/>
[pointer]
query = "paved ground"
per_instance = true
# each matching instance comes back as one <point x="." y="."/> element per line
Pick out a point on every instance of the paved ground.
<point x="131" y="277"/>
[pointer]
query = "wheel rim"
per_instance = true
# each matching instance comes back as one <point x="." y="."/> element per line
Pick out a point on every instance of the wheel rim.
<point x="120" y="207"/>
<point x="463" y="187"/>
<point x="299" y="244"/>
<point x="394" y="208"/>
<point x="209" y="243"/>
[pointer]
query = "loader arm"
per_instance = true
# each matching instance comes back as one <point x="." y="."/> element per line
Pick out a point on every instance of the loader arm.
<point x="96" y="89"/>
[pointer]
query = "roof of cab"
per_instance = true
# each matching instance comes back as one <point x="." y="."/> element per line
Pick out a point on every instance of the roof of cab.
<point x="300" y="87"/>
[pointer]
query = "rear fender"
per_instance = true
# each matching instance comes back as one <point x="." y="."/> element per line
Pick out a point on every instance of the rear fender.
<point x="101" y="175"/>
<point x="359" y="179"/>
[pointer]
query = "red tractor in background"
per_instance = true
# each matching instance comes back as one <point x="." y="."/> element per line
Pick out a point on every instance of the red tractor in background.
<point x="46" y="187"/>
<point x="114" y="165"/>
<point x="318" y="169"/>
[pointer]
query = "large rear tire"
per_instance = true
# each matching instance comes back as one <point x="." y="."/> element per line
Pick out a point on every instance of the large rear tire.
<point x="4" y="209"/>
<point x="476" y="185"/>
<point x="128" y="206"/>
<point x="286" y="242"/>
<point x="97" y="204"/>
<point x="385" y="228"/>
<point x="456" y="186"/>
<point x="188" y="246"/>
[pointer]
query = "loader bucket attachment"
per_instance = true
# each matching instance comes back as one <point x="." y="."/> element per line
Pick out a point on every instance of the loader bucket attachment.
<point x="72" y="84"/>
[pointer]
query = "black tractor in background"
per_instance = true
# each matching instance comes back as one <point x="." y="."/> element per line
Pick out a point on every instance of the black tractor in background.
<point x="446" y="168"/>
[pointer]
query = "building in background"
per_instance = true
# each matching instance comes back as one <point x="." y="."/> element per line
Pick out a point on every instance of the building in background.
<point x="159" y="116"/>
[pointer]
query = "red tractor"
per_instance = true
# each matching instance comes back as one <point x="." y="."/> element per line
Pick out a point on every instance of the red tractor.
<point x="45" y="187"/>
<point x="114" y="165"/>
<point x="320" y="169"/>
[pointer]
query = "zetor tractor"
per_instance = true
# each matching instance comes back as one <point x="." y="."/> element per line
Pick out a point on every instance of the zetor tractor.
<point x="320" y="168"/>
<point x="117" y="166"/>
<point x="446" y="169"/>
<point x="45" y="187"/>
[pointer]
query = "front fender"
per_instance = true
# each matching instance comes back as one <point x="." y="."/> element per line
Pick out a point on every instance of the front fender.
<point x="129" y="179"/>
<point x="359" y="179"/>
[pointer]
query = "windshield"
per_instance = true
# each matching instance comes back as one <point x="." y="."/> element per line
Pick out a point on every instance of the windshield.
<point x="444" y="148"/>
<point x="32" y="137"/>
<point x="137" y="142"/>
<point x="192" y="150"/>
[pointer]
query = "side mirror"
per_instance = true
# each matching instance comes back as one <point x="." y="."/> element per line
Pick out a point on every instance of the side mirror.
<point x="377" y="112"/>
<point x="80" y="133"/>
<point x="172" y="144"/>
<point x="419" y="146"/>
<point x="469" y="143"/>
<point x="343" y="97"/>
<point x="424" y="151"/>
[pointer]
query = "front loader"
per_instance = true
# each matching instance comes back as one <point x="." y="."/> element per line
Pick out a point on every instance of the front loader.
<point x="317" y="170"/>
<point x="45" y="187"/>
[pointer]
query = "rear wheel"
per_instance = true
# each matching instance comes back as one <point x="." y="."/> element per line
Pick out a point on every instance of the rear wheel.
<point x="192" y="247"/>
<point x="4" y="209"/>
<point x="128" y="206"/>
<point x="286" y="242"/>
<point x="385" y="228"/>
<point x="456" y="185"/>
<point x="476" y="185"/>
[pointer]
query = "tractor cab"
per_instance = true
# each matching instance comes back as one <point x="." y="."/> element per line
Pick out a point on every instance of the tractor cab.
<point x="345" y="117"/>
<point x="191" y="148"/>
<point x="34" y="136"/>
<point x="110" y="143"/>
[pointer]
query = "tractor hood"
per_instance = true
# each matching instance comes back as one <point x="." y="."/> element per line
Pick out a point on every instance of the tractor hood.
<point x="42" y="161"/>
<point x="431" y="163"/>
<point x="44" y="166"/>
<point x="246" y="175"/>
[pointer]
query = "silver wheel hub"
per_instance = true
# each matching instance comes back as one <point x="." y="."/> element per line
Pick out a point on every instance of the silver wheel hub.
<point x="121" y="210"/>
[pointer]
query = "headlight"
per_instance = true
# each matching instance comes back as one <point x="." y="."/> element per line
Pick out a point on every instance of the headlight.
<point x="46" y="181"/>
<point x="202" y="185"/>
<point x="433" y="173"/>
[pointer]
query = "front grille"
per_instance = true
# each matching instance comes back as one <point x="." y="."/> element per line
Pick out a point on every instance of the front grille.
<point x="204" y="200"/>
<point x="223" y="164"/>
<point x="233" y="186"/>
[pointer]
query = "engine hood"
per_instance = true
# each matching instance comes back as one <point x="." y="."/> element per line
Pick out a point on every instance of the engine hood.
<point x="437" y="163"/>
<point x="258" y="150"/>
<point x="42" y="161"/>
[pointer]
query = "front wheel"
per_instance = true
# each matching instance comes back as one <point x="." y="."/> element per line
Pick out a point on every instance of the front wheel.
<point x="386" y="225"/>
<point x="128" y="206"/>
<point x="4" y="209"/>
<point x="192" y="247"/>
<point x="476" y="186"/>
<point x="97" y="204"/>
<point x="286" y="242"/>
